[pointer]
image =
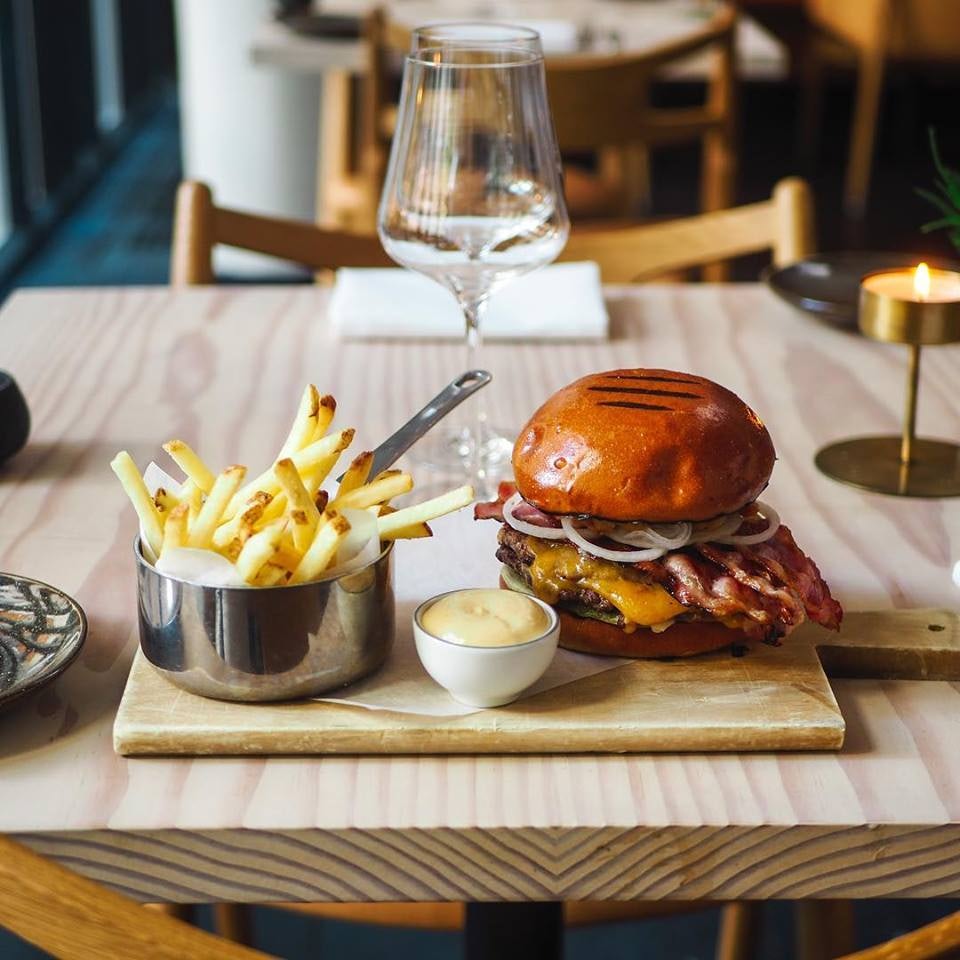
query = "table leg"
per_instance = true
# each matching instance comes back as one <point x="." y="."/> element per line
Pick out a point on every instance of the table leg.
<point x="514" y="931"/>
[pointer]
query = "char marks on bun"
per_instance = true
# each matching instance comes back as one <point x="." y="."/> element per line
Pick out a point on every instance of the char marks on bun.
<point x="639" y="444"/>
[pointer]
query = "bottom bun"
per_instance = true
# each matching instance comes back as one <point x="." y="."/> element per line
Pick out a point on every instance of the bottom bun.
<point x="682" y="639"/>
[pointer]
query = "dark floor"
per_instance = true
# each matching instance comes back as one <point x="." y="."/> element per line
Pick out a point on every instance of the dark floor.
<point x="120" y="234"/>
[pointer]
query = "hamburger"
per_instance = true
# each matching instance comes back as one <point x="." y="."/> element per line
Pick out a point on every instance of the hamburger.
<point x="634" y="513"/>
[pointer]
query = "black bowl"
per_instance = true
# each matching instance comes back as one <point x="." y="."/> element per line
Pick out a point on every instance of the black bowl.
<point x="828" y="284"/>
<point x="14" y="417"/>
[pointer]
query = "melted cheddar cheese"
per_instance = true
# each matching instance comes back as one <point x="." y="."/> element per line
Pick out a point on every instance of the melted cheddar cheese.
<point x="560" y="566"/>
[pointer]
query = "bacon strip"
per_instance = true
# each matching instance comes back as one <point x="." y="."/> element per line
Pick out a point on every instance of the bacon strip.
<point x="766" y="589"/>
<point x="785" y="560"/>
<point x="524" y="511"/>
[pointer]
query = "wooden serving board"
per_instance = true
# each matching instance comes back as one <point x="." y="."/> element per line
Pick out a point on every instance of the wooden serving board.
<point x="772" y="698"/>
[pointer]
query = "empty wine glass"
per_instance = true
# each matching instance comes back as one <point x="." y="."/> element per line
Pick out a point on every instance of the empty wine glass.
<point x="473" y="194"/>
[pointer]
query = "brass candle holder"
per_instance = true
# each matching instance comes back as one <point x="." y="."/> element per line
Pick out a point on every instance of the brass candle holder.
<point x="919" y="308"/>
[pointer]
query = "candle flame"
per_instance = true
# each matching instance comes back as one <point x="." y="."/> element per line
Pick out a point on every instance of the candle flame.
<point x="921" y="281"/>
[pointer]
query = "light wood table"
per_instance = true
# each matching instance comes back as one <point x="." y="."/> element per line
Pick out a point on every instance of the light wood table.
<point x="600" y="26"/>
<point x="222" y="367"/>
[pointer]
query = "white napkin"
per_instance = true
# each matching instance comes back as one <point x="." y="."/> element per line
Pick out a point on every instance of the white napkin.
<point x="561" y="302"/>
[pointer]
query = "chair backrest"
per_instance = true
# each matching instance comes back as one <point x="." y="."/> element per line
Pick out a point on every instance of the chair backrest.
<point x="73" y="918"/>
<point x="199" y="226"/>
<point x="782" y="224"/>
<point x="600" y="104"/>
<point x="599" y="101"/>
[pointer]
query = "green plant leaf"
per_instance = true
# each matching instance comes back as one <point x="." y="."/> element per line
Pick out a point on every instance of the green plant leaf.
<point x="942" y="205"/>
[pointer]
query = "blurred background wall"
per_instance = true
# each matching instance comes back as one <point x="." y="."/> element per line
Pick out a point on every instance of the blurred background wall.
<point x="250" y="132"/>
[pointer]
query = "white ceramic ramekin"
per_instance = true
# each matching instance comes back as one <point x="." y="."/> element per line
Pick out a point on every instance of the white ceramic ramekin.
<point x="485" y="676"/>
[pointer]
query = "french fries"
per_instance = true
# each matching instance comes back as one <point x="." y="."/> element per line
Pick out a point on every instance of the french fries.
<point x="309" y="458"/>
<point x="164" y="501"/>
<point x="304" y="426"/>
<point x="413" y="532"/>
<point x="184" y="457"/>
<point x="192" y="495"/>
<point x="303" y="511"/>
<point x="384" y="488"/>
<point x="259" y="549"/>
<point x="175" y="528"/>
<point x="129" y="476"/>
<point x="281" y="527"/>
<point x="323" y="549"/>
<point x="392" y="524"/>
<point x="224" y="487"/>
<point x="357" y="473"/>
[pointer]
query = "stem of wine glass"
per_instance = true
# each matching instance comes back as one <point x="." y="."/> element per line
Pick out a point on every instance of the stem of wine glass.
<point x="473" y="311"/>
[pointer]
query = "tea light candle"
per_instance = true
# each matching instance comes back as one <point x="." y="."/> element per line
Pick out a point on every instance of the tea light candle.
<point x="916" y="307"/>
<point x="920" y="285"/>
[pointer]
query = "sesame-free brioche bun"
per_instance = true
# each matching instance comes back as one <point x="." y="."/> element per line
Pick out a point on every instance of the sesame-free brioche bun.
<point x="652" y="445"/>
<point x="681" y="639"/>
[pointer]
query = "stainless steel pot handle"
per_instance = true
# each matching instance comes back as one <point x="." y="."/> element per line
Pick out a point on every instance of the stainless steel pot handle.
<point x="420" y="423"/>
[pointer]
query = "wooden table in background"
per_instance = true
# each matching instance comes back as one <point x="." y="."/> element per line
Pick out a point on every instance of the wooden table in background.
<point x="223" y="367"/>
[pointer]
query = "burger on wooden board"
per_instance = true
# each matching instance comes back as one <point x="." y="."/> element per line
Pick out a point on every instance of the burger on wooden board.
<point x="634" y="512"/>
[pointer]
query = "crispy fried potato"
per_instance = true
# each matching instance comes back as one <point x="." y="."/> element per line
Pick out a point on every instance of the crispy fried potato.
<point x="225" y="486"/>
<point x="134" y="487"/>
<point x="333" y="528"/>
<point x="243" y="524"/>
<point x="304" y="426"/>
<point x="357" y="473"/>
<point x="422" y="512"/>
<point x="192" y="495"/>
<point x="271" y="575"/>
<point x="195" y="469"/>
<point x="164" y="501"/>
<point x="175" y="528"/>
<point x="259" y="550"/>
<point x="377" y="491"/>
<point x="415" y="531"/>
<point x="310" y="458"/>
<point x="328" y="407"/>
<point x="303" y="511"/>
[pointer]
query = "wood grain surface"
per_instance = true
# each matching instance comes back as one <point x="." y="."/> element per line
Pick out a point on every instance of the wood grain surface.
<point x="222" y="367"/>
<point x="771" y="698"/>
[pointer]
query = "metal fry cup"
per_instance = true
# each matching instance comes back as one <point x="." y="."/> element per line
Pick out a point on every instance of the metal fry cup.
<point x="267" y="643"/>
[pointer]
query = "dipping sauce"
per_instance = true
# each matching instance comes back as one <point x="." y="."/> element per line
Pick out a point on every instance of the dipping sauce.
<point x="486" y="618"/>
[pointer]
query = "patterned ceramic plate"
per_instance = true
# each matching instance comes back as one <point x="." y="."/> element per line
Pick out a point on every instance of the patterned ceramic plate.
<point x="41" y="632"/>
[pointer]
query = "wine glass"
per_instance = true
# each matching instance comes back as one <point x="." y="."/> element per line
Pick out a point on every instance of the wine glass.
<point x="473" y="195"/>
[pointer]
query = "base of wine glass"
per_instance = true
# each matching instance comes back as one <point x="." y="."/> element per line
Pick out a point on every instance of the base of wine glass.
<point x="458" y="452"/>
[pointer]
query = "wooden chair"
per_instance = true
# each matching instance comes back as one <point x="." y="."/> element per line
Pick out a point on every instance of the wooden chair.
<point x="877" y="32"/>
<point x="73" y="918"/>
<point x="782" y="224"/>
<point x="199" y="226"/>
<point x="601" y="107"/>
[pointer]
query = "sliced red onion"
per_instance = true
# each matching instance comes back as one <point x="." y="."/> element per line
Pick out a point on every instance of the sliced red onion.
<point x="617" y="556"/>
<point x="721" y="527"/>
<point x="531" y="529"/>
<point x="773" y="524"/>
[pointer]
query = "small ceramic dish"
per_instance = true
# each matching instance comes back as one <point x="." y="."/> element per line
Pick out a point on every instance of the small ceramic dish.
<point x="485" y="676"/>
<point x="41" y="633"/>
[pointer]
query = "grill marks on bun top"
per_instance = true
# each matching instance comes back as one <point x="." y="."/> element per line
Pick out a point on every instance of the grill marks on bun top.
<point x="639" y="444"/>
<point x="615" y="388"/>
